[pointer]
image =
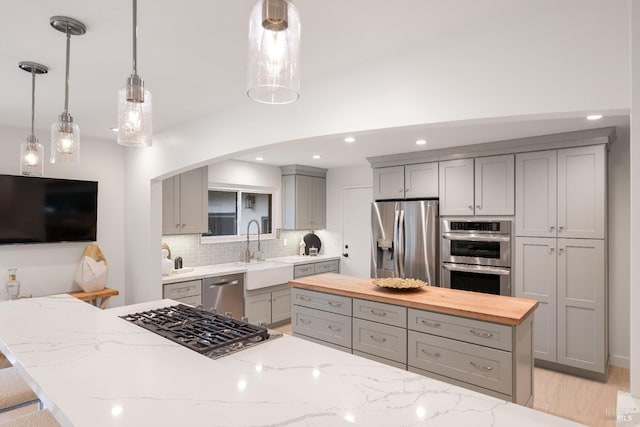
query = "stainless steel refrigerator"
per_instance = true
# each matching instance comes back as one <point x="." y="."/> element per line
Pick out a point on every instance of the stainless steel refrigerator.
<point x="405" y="240"/>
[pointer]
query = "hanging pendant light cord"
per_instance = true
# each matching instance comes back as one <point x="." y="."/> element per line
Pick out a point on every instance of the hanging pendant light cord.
<point x="66" y="80"/>
<point x="135" y="37"/>
<point x="33" y="98"/>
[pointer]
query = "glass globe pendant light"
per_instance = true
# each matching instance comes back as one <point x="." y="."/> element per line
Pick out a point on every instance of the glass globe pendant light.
<point x="31" y="151"/>
<point x="273" y="73"/>
<point x="65" y="135"/>
<point x="134" y="103"/>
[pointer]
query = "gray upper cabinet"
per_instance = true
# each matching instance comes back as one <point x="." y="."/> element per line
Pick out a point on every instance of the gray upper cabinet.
<point x="561" y="193"/>
<point x="184" y="202"/>
<point x="481" y="186"/>
<point x="409" y="181"/>
<point x="304" y="198"/>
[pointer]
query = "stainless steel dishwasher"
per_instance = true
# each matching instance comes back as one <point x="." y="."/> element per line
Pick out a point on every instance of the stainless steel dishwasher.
<point x="224" y="294"/>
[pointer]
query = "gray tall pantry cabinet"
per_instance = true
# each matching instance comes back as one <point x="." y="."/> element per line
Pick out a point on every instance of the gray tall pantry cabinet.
<point x="561" y="255"/>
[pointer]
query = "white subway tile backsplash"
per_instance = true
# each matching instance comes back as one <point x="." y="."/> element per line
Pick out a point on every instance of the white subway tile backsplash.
<point x="195" y="254"/>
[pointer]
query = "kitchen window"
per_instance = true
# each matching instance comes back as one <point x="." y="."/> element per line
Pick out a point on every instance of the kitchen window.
<point x="230" y="210"/>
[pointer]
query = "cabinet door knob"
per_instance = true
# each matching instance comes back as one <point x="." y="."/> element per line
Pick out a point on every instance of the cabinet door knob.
<point x="560" y="251"/>
<point x="552" y="227"/>
<point x="470" y="207"/>
<point x="478" y="207"/>
<point x="560" y="227"/>
<point x="552" y="250"/>
<point x="401" y="191"/>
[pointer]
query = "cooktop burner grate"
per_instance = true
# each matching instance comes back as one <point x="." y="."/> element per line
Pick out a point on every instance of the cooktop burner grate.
<point x="207" y="333"/>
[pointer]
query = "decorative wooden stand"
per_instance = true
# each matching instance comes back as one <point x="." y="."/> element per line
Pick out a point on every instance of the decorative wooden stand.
<point x="92" y="297"/>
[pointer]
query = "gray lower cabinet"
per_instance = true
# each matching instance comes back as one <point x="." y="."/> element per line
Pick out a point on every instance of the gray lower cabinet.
<point x="471" y="363"/>
<point x="568" y="278"/>
<point x="491" y="358"/>
<point x="188" y="292"/>
<point x="487" y="356"/>
<point x="389" y="342"/>
<point x="316" y="267"/>
<point x="270" y="305"/>
<point x="322" y="325"/>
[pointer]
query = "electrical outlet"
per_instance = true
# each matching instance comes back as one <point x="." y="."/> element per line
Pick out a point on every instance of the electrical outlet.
<point x="284" y="241"/>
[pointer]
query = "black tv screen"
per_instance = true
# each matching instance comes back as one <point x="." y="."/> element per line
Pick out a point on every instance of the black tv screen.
<point x="47" y="210"/>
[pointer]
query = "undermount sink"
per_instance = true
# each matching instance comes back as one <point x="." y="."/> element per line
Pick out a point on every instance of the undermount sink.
<point x="262" y="274"/>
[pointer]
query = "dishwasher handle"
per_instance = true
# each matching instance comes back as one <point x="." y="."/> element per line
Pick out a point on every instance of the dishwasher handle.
<point x="229" y="279"/>
<point x="223" y="283"/>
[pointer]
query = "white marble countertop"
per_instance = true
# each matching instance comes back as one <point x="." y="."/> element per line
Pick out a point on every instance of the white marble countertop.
<point x="92" y="368"/>
<point x="239" y="267"/>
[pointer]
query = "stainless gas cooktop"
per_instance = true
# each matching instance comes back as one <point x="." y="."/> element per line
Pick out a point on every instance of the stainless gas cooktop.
<point x="207" y="333"/>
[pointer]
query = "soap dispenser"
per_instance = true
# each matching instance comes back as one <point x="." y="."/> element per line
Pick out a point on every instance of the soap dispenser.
<point x="12" y="286"/>
<point x="303" y="246"/>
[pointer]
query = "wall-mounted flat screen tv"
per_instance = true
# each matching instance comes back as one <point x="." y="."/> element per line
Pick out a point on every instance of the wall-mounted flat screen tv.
<point x="47" y="210"/>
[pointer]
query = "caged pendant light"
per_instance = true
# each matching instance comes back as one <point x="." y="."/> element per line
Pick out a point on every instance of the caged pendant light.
<point x="31" y="151"/>
<point x="273" y="73"/>
<point x="65" y="135"/>
<point x="134" y="102"/>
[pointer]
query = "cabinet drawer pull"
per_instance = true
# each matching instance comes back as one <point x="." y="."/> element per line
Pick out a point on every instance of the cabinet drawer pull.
<point x="306" y="299"/>
<point x="481" y="334"/>
<point x="481" y="367"/>
<point x="305" y="321"/>
<point x="431" y="324"/>
<point x="334" y="328"/>
<point x="335" y="304"/>
<point x="182" y="290"/>
<point x="378" y="313"/>
<point x="378" y="339"/>
<point x="430" y="354"/>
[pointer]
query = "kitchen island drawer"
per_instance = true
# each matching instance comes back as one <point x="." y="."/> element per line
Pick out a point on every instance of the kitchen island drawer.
<point x="329" y="327"/>
<point x="328" y="302"/>
<point x="183" y="289"/>
<point x="470" y="363"/>
<point x="461" y="328"/>
<point x="327" y="267"/>
<point x="389" y="314"/>
<point x="389" y="342"/>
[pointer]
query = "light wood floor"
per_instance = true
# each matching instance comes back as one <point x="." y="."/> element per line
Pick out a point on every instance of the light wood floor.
<point x="588" y="402"/>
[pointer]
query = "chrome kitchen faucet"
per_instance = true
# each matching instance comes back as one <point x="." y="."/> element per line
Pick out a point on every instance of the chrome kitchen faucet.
<point x="247" y="253"/>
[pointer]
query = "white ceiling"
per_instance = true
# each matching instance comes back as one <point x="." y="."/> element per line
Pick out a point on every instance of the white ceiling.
<point x="192" y="56"/>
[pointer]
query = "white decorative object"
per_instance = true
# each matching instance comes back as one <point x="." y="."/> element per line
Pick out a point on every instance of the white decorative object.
<point x="91" y="274"/>
<point x="167" y="265"/>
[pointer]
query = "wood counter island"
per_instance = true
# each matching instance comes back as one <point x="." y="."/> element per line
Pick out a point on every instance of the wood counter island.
<point x="479" y="341"/>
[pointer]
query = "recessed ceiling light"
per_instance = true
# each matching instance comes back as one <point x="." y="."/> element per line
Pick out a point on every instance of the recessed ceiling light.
<point x="594" y="117"/>
<point x="349" y="139"/>
<point x="421" y="142"/>
<point x="115" y="129"/>
<point x="259" y="159"/>
<point x="316" y="156"/>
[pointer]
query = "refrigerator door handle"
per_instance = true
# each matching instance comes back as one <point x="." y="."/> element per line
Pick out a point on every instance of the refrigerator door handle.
<point x="401" y="231"/>
<point x="396" y="245"/>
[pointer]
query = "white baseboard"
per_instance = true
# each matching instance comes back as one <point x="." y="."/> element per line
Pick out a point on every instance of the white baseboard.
<point x="619" y="361"/>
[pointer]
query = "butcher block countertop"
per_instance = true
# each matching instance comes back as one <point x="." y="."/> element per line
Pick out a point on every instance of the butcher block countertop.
<point x="492" y="308"/>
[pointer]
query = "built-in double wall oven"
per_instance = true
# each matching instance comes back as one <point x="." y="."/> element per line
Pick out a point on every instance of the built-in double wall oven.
<point x="476" y="255"/>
